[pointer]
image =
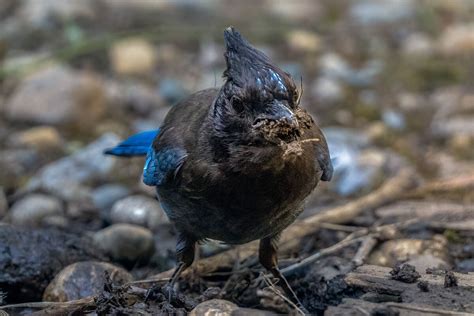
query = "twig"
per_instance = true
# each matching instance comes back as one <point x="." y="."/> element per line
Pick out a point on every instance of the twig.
<point x="318" y="255"/>
<point x="444" y="186"/>
<point x="368" y="243"/>
<point x="427" y="310"/>
<point x="277" y="292"/>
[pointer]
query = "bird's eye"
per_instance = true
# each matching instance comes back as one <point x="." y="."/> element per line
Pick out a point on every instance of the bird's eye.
<point x="237" y="104"/>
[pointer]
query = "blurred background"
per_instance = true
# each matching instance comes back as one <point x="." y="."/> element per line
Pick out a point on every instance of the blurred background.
<point x="391" y="83"/>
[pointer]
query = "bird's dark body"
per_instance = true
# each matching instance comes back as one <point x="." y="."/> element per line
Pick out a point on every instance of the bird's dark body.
<point x="212" y="197"/>
<point x="235" y="164"/>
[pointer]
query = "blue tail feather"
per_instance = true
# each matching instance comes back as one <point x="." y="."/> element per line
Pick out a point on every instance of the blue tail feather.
<point x="136" y="145"/>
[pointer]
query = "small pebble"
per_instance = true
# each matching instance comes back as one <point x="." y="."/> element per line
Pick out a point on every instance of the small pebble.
<point x="405" y="273"/>
<point x="450" y="279"/>
<point x="3" y="203"/>
<point x="423" y="286"/>
<point x="138" y="210"/>
<point x="106" y="195"/>
<point x="214" y="307"/>
<point x="34" y="208"/>
<point x="127" y="244"/>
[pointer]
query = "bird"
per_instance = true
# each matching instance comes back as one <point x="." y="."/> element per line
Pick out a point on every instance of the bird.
<point x="235" y="163"/>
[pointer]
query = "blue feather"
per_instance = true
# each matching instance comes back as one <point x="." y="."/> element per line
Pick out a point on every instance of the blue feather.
<point x="136" y="145"/>
<point x="159" y="165"/>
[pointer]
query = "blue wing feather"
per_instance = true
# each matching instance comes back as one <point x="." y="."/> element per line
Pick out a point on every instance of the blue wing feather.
<point x="136" y="145"/>
<point x="159" y="164"/>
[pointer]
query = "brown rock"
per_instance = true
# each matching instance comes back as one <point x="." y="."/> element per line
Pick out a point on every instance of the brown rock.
<point x="58" y="95"/>
<point x="133" y="56"/>
<point x="83" y="279"/>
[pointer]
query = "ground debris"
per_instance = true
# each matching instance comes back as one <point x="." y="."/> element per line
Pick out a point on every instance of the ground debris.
<point x="405" y="273"/>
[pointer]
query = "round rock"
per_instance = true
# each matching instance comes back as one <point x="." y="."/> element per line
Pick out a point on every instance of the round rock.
<point x="214" y="307"/>
<point x="138" y="210"/>
<point x="83" y="279"/>
<point x="106" y="195"/>
<point x="3" y="204"/>
<point x="42" y="138"/>
<point x="125" y="243"/>
<point x="34" y="208"/>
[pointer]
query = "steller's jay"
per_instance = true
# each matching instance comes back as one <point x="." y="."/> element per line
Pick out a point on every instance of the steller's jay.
<point x="235" y="164"/>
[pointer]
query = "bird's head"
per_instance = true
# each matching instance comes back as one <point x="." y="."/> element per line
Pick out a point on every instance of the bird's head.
<point x="258" y="99"/>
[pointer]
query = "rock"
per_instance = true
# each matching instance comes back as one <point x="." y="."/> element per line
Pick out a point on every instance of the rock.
<point x="138" y="210"/>
<point x="370" y="12"/>
<point x="457" y="40"/>
<point x="29" y="259"/>
<point x="466" y="265"/>
<point x="34" y="208"/>
<point x="405" y="273"/>
<point x="171" y="90"/>
<point x="454" y="113"/>
<point x="83" y="279"/>
<point x="15" y="163"/>
<point x="252" y="312"/>
<point x="41" y="138"/>
<point x="356" y="167"/>
<point x="106" y="195"/>
<point x="3" y="204"/>
<point x="126" y="244"/>
<point x="394" y="119"/>
<point x="66" y="176"/>
<point x="214" y="307"/>
<point x="401" y="250"/>
<point x="133" y="96"/>
<point x="304" y="41"/>
<point x="428" y="261"/>
<point x="44" y="13"/>
<point x="327" y="89"/>
<point x="58" y="95"/>
<point x="334" y="66"/>
<point x="418" y="44"/>
<point x="133" y="56"/>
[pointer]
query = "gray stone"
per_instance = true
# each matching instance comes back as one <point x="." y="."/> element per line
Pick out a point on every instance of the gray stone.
<point x="58" y="95"/>
<point x="106" y="195"/>
<point x="34" y="208"/>
<point x="15" y="163"/>
<point x="171" y="90"/>
<point x="125" y="243"/>
<point x="214" y="307"/>
<point x="66" y="176"/>
<point x="335" y="67"/>
<point x="41" y="14"/>
<point x="428" y="261"/>
<point x="3" y="204"/>
<point x="134" y="96"/>
<point x="30" y="258"/>
<point x="138" y="210"/>
<point x="466" y="265"/>
<point x="356" y="166"/>
<point x="371" y="12"/>
<point x="83" y="279"/>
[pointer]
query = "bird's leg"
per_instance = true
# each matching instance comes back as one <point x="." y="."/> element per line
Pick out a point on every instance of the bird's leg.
<point x="185" y="249"/>
<point x="268" y="258"/>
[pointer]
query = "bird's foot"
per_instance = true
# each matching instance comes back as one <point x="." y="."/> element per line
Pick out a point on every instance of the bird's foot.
<point x="152" y="293"/>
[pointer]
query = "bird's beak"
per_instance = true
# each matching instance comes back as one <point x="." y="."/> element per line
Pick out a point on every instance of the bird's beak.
<point x="278" y="111"/>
